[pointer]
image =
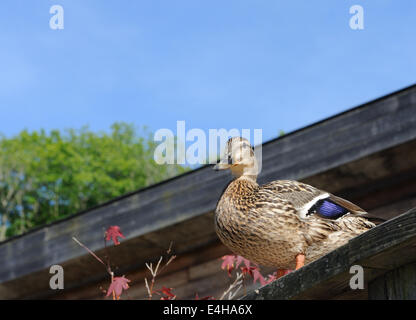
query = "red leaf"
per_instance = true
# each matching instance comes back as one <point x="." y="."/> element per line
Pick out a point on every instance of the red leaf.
<point x="166" y="293"/>
<point x="275" y="276"/>
<point x="112" y="233"/>
<point x="204" y="298"/>
<point x="246" y="270"/>
<point x="118" y="284"/>
<point x="241" y="259"/>
<point x="228" y="263"/>
<point x="258" y="276"/>
<point x="238" y="261"/>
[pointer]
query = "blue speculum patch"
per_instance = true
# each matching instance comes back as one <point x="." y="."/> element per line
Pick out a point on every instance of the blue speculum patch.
<point x="329" y="209"/>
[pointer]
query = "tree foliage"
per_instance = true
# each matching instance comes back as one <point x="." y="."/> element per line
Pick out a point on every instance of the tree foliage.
<point x="48" y="176"/>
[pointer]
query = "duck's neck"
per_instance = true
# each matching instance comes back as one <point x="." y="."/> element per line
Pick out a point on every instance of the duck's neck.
<point x="250" y="179"/>
<point x="245" y="172"/>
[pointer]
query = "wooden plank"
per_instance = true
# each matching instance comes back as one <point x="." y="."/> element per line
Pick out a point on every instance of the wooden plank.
<point x="372" y="173"/>
<point x="379" y="250"/>
<point x="398" y="284"/>
<point x="335" y="141"/>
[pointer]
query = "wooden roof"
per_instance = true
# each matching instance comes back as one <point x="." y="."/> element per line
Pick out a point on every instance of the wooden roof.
<point x="342" y="154"/>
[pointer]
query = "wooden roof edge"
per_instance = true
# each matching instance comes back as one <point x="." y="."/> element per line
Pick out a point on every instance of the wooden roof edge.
<point x="386" y="247"/>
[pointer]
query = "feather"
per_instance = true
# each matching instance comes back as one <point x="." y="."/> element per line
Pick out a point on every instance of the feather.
<point x="354" y="209"/>
<point x="329" y="209"/>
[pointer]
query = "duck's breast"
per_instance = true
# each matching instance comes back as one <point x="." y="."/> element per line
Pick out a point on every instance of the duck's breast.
<point x="261" y="237"/>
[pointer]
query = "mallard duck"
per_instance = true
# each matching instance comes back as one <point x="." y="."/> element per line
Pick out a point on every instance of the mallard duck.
<point x="283" y="224"/>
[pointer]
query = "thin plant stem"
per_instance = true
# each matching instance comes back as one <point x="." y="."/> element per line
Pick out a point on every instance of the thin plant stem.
<point x="94" y="255"/>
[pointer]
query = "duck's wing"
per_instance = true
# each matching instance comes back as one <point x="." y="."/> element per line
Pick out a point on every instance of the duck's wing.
<point x="310" y="201"/>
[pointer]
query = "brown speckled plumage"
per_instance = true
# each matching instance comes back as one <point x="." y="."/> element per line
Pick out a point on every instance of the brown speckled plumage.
<point x="273" y="223"/>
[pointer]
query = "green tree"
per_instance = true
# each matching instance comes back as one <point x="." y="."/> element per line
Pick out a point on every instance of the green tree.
<point x="48" y="176"/>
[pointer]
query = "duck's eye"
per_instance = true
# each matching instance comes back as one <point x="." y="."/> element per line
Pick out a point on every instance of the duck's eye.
<point x="246" y="145"/>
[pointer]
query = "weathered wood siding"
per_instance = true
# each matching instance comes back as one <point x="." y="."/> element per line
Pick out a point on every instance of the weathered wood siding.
<point x="398" y="284"/>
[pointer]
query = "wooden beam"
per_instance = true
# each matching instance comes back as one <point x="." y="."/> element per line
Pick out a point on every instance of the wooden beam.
<point x="398" y="284"/>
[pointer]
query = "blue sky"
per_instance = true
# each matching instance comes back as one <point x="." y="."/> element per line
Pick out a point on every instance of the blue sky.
<point x="215" y="64"/>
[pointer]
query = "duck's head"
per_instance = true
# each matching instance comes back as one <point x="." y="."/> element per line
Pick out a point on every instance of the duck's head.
<point x="239" y="157"/>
